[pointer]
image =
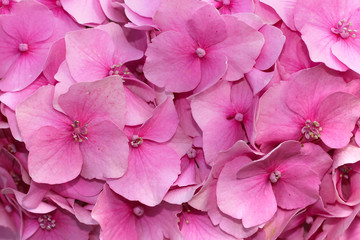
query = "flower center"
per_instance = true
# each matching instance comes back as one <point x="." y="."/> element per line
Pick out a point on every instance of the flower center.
<point x="23" y="47"/>
<point x="191" y="153"/>
<point x="200" y="52"/>
<point x="239" y="117"/>
<point x="138" y="211"/>
<point x="274" y="176"/>
<point x="311" y="130"/>
<point x="58" y="3"/>
<point x="136" y="141"/>
<point x="345" y="170"/>
<point x="120" y="70"/>
<point x="5" y="2"/>
<point x="226" y="2"/>
<point x="79" y="133"/>
<point x="46" y="222"/>
<point x="343" y="29"/>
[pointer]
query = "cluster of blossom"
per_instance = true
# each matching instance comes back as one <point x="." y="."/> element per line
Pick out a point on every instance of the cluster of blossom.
<point x="179" y="119"/>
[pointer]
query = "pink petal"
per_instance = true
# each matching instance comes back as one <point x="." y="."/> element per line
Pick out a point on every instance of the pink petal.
<point x="297" y="187"/>
<point x="103" y="99"/>
<point x="148" y="160"/>
<point x="89" y="54"/>
<point x="162" y="125"/>
<point x="206" y="27"/>
<point x="84" y="11"/>
<point x="113" y="10"/>
<point x="172" y="62"/>
<point x="252" y="195"/>
<point x="105" y="152"/>
<point x="241" y="38"/>
<point x="338" y="114"/>
<point x="37" y="112"/>
<point x="274" y="42"/>
<point x="54" y="156"/>
<point x="258" y="80"/>
<point x="348" y="52"/>
<point x="285" y="9"/>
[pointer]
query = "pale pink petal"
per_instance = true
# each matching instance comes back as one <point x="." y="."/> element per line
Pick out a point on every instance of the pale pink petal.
<point x="115" y="216"/>
<point x="206" y="27"/>
<point x="89" y="54"/>
<point x="258" y="80"/>
<point x="37" y="112"/>
<point x="172" y="62"/>
<point x="103" y="99"/>
<point x="84" y="11"/>
<point x="141" y="7"/>
<point x="55" y="58"/>
<point x="253" y="195"/>
<point x="54" y="156"/>
<point x="144" y="161"/>
<point x="162" y="125"/>
<point x="297" y="187"/>
<point x="241" y="38"/>
<point x="124" y="50"/>
<point x="348" y="52"/>
<point x="168" y="17"/>
<point x="309" y="88"/>
<point x="198" y="226"/>
<point x="274" y="42"/>
<point x="105" y="152"/>
<point x="113" y="10"/>
<point x="338" y="115"/>
<point x="285" y="9"/>
<point x="276" y="122"/>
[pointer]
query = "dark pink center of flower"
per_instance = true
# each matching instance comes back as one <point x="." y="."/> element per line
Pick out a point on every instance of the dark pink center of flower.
<point x="79" y="133"/>
<point x="119" y="69"/>
<point x="311" y="130"/>
<point x="274" y="176"/>
<point x="200" y="52"/>
<point x="191" y="153"/>
<point x="23" y="47"/>
<point x="343" y="29"/>
<point x="138" y="211"/>
<point x="136" y="141"/>
<point x="46" y="222"/>
<point x="5" y="2"/>
<point x="58" y="3"/>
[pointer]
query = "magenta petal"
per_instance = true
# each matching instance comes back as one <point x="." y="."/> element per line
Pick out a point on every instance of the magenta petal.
<point x="162" y="125"/>
<point x="105" y="152"/>
<point x="285" y="9"/>
<point x="258" y="80"/>
<point x="172" y="62"/>
<point x="148" y="160"/>
<point x="337" y="115"/>
<point x="103" y="99"/>
<point x="54" y="156"/>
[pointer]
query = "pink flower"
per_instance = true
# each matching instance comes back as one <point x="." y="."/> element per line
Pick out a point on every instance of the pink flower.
<point x="225" y="114"/>
<point x="331" y="38"/>
<point x="199" y="48"/>
<point x="123" y="219"/>
<point x="313" y="105"/>
<point x="287" y="177"/>
<point x="87" y="138"/>
<point x="150" y="155"/>
<point x="233" y="6"/>
<point x="25" y="39"/>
